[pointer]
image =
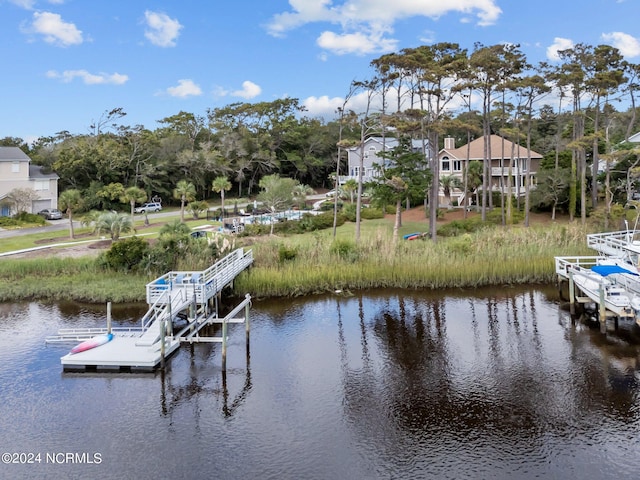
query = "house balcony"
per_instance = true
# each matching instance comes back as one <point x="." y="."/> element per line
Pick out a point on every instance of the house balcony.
<point x="342" y="179"/>
<point x="504" y="171"/>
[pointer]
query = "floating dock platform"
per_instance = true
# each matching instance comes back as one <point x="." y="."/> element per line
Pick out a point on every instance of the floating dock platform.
<point x="192" y="295"/>
<point x="122" y="354"/>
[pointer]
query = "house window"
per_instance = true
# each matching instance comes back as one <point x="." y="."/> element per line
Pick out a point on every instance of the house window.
<point x="446" y="165"/>
<point x="15" y="167"/>
<point x="457" y="166"/>
<point x="40" y="185"/>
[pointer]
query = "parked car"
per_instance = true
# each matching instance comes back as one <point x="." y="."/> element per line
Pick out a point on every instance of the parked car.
<point x="148" y="207"/>
<point x="51" y="213"/>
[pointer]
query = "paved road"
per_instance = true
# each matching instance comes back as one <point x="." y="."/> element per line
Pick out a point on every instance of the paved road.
<point x="56" y="225"/>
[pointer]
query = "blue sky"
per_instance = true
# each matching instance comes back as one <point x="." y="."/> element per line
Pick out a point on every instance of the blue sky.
<point x="66" y="62"/>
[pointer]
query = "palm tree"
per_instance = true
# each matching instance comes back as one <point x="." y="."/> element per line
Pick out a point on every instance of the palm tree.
<point x="114" y="224"/>
<point x="175" y="229"/>
<point x="220" y="185"/>
<point x="300" y="193"/>
<point x="69" y="201"/>
<point x="350" y="187"/>
<point x="133" y="195"/>
<point x="474" y="177"/>
<point x="449" y="182"/>
<point x="185" y="192"/>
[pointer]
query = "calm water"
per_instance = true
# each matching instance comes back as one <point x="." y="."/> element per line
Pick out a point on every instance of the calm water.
<point x="495" y="384"/>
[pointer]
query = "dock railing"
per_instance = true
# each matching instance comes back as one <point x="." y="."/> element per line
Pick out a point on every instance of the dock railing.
<point x="581" y="265"/>
<point x="567" y="265"/>
<point x="201" y="285"/>
<point x="613" y="243"/>
<point x="169" y="301"/>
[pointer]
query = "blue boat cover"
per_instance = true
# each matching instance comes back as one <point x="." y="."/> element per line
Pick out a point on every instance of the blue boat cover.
<point x="605" y="270"/>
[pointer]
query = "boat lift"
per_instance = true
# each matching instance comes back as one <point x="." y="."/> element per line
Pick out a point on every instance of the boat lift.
<point x="615" y="290"/>
<point x="193" y="294"/>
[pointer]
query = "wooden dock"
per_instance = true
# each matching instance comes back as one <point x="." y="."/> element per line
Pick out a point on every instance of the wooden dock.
<point x="192" y="294"/>
<point x="615" y="295"/>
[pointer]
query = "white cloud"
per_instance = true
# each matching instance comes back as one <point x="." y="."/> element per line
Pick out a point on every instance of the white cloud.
<point x="161" y="30"/>
<point x="219" y="91"/>
<point x="363" y="22"/>
<point x="54" y="29"/>
<point x="428" y="37"/>
<point x="185" y="88"/>
<point x="557" y="45"/>
<point x="327" y="107"/>
<point x="628" y="45"/>
<point x="89" y="78"/>
<point x="26" y="4"/>
<point x="359" y="43"/>
<point x="322" y="106"/>
<point x="249" y="90"/>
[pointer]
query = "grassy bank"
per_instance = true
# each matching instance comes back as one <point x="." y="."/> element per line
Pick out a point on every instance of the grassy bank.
<point x="315" y="262"/>
<point x="78" y="279"/>
<point x="494" y="256"/>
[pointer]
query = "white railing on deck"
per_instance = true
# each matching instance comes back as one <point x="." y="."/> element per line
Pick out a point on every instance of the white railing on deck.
<point x="201" y="285"/>
<point x="611" y="243"/>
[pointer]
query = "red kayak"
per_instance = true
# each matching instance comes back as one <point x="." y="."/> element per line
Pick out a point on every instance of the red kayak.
<point x="92" y="343"/>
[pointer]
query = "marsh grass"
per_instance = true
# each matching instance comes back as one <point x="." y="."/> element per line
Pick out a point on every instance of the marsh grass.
<point x="316" y="262"/>
<point x="488" y="257"/>
<point x="79" y="279"/>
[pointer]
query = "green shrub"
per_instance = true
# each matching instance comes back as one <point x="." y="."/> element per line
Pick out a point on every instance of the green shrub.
<point x="371" y="213"/>
<point x="29" y="218"/>
<point x="126" y="254"/>
<point x="286" y="253"/>
<point x="310" y="223"/>
<point x="8" y="222"/>
<point x="458" y="227"/>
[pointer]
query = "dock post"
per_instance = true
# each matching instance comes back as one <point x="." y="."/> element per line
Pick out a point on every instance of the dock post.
<point x="572" y="295"/>
<point x="602" y="310"/>
<point x="247" y="325"/>
<point x="108" y="317"/>
<point x="224" y="345"/>
<point x="162" y="343"/>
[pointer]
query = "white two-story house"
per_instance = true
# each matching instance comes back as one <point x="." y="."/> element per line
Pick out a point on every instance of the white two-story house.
<point x="372" y="148"/>
<point x="16" y="171"/>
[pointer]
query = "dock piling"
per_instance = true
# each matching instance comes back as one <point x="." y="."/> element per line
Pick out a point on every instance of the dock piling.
<point x="108" y="317"/>
<point x="224" y="345"/>
<point x="602" y="310"/>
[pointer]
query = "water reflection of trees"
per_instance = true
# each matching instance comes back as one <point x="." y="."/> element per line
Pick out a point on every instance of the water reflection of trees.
<point x="605" y="366"/>
<point x="412" y="380"/>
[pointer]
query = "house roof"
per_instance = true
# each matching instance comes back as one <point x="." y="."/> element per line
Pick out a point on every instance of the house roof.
<point x="36" y="171"/>
<point x="476" y="149"/>
<point x="11" y="154"/>
<point x="635" y="138"/>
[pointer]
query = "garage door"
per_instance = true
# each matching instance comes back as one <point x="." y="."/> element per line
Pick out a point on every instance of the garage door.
<point x="38" y="205"/>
